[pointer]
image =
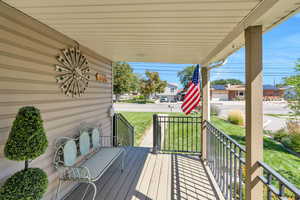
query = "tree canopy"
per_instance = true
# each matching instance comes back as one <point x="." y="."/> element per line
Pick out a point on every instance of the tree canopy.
<point x="295" y="82"/>
<point x="124" y="80"/>
<point x="152" y="84"/>
<point x="295" y="79"/>
<point x="226" y="81"/>
<point x="185" y="75"/>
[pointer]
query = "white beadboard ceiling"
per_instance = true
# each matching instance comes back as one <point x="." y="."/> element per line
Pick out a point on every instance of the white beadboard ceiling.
<point x="173" y="31"/>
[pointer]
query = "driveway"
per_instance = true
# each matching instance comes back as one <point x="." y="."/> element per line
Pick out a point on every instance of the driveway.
<point x="270" y="123"/>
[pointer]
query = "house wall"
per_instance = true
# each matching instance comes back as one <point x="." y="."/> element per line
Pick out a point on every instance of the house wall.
<point x="28" y="51"/>
<point x="231" y="95"/>
<point x="275" y="93"/>
<point x="219" y="94"/>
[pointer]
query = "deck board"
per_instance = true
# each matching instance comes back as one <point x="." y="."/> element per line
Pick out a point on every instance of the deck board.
<point x="150" y="176"/>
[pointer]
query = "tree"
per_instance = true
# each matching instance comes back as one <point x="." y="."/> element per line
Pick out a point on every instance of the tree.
<point x="152" y="84"/>
<point x="135" y="83"/>
<point x="27" y="139"/>
<point x="185" y="75"/>
<point x="294" y="81"/>
<point x="124" y="80"/>
<point x="226" y="81"/>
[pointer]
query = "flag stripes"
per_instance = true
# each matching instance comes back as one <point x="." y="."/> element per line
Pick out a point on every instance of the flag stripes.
<point x="192" y="97"/>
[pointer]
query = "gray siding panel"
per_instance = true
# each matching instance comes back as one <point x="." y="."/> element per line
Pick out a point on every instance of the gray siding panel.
<point x="28" y="51"/>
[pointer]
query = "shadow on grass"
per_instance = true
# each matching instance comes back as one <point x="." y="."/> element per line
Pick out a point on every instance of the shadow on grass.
<point x="273" y="146"/>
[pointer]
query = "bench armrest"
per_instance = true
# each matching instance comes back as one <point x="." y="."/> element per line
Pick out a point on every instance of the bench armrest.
<point x="76" y="173"/>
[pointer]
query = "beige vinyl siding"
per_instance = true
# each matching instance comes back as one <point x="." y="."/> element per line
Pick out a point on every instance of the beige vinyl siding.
<point x="28" y="51"/>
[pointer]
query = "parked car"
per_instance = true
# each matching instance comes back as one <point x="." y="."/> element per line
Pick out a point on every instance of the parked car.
<point x="163" y="99"/>
<point x="173" y="100"/>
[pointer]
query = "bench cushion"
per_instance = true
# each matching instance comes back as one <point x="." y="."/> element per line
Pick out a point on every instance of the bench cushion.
<point x="96" y="138"/>
<point x="101" y="160"/>
<point x="84" y="143"/>
<point x="70" y="153"/>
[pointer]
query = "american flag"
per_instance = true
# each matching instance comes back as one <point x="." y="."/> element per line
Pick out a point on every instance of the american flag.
<point x="192" y="97"/>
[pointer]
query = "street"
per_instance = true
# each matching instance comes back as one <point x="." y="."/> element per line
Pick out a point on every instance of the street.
<point x="270" y="123"/>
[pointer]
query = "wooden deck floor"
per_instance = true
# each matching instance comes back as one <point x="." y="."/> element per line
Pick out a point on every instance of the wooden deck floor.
<point x="158" y="177"/>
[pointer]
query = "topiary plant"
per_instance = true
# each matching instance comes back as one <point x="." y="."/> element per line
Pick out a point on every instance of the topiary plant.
<point x="27" y="139"/>
<point x="28" y="184"/>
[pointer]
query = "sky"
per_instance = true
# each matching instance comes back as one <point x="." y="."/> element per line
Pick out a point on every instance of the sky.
<point x="281" y="49"/>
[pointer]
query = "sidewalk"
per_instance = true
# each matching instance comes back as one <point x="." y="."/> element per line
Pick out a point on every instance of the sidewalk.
<point x="148" y="138"/>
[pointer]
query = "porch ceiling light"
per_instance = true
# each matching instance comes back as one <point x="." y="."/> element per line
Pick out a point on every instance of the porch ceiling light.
<point x="217" y="64"/>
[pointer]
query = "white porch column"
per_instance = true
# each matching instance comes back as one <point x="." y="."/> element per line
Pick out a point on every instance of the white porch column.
<point x="254" y="112"/>
<point x="205" y="108"/>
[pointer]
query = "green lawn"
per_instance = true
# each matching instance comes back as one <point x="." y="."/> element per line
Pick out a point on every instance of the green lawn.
<point x="141" y="122"/>
<point x="287" y="164"/>
<point x="280" y="115"/>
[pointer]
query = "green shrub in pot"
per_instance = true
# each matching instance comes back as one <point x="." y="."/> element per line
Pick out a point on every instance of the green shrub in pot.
<point x="28" y="184"/>
<point x="27" y="140"/>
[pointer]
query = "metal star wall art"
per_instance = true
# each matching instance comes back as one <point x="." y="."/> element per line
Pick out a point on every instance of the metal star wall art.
<point x="73" y="70"/>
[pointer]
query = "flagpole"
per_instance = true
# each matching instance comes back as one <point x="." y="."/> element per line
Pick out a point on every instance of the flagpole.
<point x="201" y="90"/>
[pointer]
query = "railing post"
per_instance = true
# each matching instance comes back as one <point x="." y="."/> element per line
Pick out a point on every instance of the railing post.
<point x="133" y="136"/>
<point x="254" y="114"/>
<point x="205" y="110"/>
<point x="115" y="130"/>
<point x="155" y="135"/>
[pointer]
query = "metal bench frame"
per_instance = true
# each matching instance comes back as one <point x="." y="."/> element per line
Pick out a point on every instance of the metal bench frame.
<point x="77" y="173"/>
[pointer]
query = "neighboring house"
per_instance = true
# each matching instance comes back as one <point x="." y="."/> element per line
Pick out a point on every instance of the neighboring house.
<point x="219" y="92"/>
<point x="237" y="92"/>
<point x="272" y="92"/>
<point x="170" y="91"/>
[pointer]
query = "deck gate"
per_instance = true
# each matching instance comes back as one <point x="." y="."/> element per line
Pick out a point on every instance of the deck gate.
<point x="123" y="131"/>
<point x="176" y="133"/>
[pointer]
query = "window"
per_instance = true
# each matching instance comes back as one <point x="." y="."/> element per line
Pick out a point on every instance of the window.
<point x="239" y="93"/>
<point x="172" y="90"/>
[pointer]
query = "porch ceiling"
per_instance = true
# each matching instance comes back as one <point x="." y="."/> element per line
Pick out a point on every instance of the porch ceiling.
<point x="174" y="31"/>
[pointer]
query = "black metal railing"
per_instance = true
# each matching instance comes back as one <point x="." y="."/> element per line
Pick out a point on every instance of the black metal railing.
<point x="123" y="131"/>
<point x="277" y="187"/>
<point x="226" y="160"/>
<point x="176" y="133"/>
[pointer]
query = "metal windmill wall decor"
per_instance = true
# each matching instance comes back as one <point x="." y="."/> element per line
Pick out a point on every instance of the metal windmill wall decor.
<point x="73" y="69"/>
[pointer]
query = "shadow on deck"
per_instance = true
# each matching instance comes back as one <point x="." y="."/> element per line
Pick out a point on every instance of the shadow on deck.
<point x="153" y="176"/>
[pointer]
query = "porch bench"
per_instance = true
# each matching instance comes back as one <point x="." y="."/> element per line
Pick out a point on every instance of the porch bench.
<point x="84" y="160"/>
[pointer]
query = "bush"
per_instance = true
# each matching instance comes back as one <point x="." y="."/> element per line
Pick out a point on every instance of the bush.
<point x="286" y="141"/>
<point x="293" y="126"/>
<point x="215" y="110"/>
<point x="27" y="139"/>
<point x="280" y="134"/>
<point x="295" y="142"/>
<point x="28" y="184"/>
<point x="236" y="117"/>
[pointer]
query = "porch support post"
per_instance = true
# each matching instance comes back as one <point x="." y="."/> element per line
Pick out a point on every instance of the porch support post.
<point x="205" y="109"/>
<point x="254" y="114"/>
